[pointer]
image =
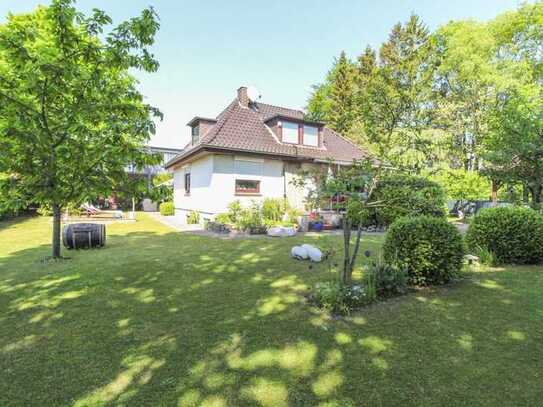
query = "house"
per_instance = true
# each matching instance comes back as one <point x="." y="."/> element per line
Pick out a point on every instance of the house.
<point x="166" y="153"/>
<point x="252" y="151"/>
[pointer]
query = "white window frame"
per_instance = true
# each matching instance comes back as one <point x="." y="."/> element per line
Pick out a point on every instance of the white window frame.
<point x="316" y="144"/>
<point x="283" y="133"/>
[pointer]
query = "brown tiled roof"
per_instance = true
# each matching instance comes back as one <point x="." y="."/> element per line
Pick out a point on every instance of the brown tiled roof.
<point x="243" y="129"/>
<point x="268" y="111"/>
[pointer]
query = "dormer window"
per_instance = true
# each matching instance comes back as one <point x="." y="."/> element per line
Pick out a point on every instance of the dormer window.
<point x="311" y="136"/>
<point x="306" y="134"/>
<point x="195" y="132"/>
<point x="199" y="126"/>
<point x="290" y="132"/>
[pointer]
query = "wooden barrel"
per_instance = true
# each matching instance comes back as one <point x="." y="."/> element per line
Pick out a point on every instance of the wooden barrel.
<point x="84" y="235"/>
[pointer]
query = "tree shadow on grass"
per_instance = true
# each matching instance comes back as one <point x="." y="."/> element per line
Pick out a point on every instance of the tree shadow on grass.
<point x="15" y="222"/>
<point x="171" y="319"/>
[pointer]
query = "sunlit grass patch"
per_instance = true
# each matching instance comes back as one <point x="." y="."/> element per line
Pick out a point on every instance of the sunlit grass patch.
<point x="162" y="318"/>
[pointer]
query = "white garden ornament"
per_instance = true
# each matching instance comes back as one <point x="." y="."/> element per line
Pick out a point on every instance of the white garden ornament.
<point x="280" y="231"/>
<point x="314" y="253"/>
<point x="306" y="251"/>
<point x="299" y="253"/>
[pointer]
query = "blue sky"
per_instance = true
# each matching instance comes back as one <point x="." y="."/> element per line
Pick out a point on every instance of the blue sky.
<point x="207" y="49"/>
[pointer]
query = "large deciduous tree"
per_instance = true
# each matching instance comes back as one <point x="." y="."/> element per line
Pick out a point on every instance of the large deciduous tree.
<point x="515" y="150"/>
<point x="465" y="88"/>
<point x="489" y="88"/>
<point x="466" y="96"/>
<point x="71" y="116"/>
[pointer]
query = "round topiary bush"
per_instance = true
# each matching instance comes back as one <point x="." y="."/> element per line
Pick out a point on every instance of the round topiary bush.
<point x="167" y="209"/>
<point x="513" y="235"/>
<point x="409" y="196"/>
<point x="430" y="248"/>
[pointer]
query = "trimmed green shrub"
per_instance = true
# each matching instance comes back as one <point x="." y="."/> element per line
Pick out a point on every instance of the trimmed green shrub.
<point x="167" y="209"/>
<point x="514" y="235"/>
<point x="430" y="248"/>
<point x="193" y="218"/>
<point x="407" y="195"/>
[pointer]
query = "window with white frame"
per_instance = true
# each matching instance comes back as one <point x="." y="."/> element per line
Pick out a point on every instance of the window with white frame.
<point x="311" y="136"/>
<point x="187" y="183"/>
<point x="247" y="186"/>
<point x="289" y="132"/>
<point x="195" y="134"/>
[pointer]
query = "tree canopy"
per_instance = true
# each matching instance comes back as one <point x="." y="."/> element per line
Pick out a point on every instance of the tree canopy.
<point x="71" y="116"/>
<point x="514" y="152"/>
<point x="468" y="95"/>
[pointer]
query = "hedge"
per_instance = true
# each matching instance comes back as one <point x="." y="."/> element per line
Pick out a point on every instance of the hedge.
<point x="514" y="235"/>
<point x="407" y="195"/>
<point x="430" y="248"/>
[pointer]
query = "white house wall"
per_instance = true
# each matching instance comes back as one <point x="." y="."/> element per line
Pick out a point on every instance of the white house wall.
<point x="228" y="168"/>
<point x="201" y="194"/>
<point x="213" y="180"/>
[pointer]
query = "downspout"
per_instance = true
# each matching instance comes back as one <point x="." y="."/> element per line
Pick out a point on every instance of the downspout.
<point x="284" y="185"/>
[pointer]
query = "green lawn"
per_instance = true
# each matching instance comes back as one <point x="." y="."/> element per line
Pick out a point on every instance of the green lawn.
<point x="160" y="318"/>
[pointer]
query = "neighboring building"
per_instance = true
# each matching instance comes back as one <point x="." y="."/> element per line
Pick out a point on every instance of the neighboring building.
<point x="150" y="171"/>
<point x="251" y="151"/>
<point x="167" y="155"/>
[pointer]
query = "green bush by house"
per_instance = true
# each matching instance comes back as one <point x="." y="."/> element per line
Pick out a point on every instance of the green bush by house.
<point x="430" y="248"/>
<point x="257" y="217"/>
<point x="273" y="209"/>
<point x="407" y="195"/>
<point x="513" y="235"/>
<point x="223" y="218"/>
<point x="167" y="209"/>
<point x="250" y="219"/>
<point x="193" y="218"/>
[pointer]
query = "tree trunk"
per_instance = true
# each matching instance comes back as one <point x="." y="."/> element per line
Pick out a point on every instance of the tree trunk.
<point x="525" y="194"/>
<point x="355" y="251"/>
<point x="494" y="193"/>
<point x="536" y="196"/>
<point x="346" y="249"/>
<point x="56" y="231"/>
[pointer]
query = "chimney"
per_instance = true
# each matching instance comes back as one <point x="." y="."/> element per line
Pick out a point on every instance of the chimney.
<point x="242" y="96"/>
